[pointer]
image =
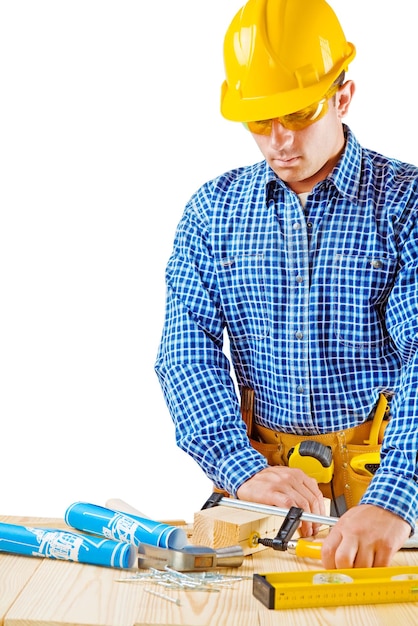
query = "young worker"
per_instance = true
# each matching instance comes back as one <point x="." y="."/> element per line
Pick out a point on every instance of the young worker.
<point x="309" y="260"/>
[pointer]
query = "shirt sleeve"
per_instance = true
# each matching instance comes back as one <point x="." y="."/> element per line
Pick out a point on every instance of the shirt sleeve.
<point x="395" y="485"/>
<point x="192" y="368"/>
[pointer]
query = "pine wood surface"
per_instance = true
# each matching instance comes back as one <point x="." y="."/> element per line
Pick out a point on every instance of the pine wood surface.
<point x="45" y="592"/>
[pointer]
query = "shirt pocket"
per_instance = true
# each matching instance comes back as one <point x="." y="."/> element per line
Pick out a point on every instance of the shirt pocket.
<point x="359" y="292"/>
<point x="243" y="296"/>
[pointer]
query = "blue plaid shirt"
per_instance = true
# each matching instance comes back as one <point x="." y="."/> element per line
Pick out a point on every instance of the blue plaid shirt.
<point x="320" y="308"/>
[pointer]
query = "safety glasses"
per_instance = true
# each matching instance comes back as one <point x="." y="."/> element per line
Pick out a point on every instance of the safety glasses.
<point x="298" y="120"/>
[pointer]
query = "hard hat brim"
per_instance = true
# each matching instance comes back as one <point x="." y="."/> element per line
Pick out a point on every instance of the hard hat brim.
<point x="236" y="108"/>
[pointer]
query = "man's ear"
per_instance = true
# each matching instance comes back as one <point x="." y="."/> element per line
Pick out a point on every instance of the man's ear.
<point x="343" y="98"/>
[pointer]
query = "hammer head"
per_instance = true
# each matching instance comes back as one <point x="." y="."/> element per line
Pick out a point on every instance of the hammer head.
<point x="190" y="558"/>
<point x="214" y="500"/>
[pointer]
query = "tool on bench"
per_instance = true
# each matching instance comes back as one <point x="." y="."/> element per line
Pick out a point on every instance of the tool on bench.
<point x="303" y="547"/>
<point x="152" y="553"/>
<point x="283" y="540"/>
<point x="190" y="558"/>
<point x="218" y="499"/>
<point x="298" y="590"/>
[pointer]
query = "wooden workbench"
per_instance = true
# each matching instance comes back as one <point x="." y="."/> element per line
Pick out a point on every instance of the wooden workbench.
<point x="46" y="592"/>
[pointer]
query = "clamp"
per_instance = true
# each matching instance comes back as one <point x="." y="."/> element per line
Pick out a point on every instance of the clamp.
<point x="286" y="531"/>
<point x="283" y="540"/>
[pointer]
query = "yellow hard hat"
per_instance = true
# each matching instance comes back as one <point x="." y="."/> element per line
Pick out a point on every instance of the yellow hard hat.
<point x="281" y="56"/>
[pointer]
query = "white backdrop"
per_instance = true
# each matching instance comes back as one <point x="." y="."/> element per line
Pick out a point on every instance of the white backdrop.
<point x="109" y="122"/>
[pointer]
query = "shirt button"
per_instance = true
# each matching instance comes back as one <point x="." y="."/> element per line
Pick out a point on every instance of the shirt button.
<point x="299" y="389"/>
<point x="299" y="335"/>
<point x="376" y="264"/>
<point x="309" y="224"/>
<point x="299" y="278"/>
<point x="296" y="226"/>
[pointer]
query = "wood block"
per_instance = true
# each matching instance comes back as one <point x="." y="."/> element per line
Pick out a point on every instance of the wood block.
<point x="221" y="526"/>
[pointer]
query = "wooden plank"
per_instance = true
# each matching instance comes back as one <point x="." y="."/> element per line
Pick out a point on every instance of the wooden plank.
<point x="44" y="592"/>
<point x="220" y="527"/>
<point x="61" y="592"/>
<point x="229" y="606"/>
<point x="71" y="594"/>
<point x="58" y="593"/>
<point x="40" y="522"/>
<point x="15" y="572"/>
<point x="67" y="594"/>
<point x="226" y="608"/>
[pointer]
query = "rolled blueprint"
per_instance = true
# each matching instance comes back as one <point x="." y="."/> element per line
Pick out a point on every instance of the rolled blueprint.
<point x="68" y="546"/>
<point x="126" y="527"/>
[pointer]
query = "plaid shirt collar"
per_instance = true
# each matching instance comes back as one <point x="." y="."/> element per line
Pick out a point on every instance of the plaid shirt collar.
<point x="346" y="175"/>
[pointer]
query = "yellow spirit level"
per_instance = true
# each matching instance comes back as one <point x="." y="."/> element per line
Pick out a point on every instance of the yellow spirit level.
<point x="298" y="590"/>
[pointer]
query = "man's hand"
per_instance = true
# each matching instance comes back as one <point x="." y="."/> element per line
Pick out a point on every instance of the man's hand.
<point x="286" y="487"/>
<point x="365" y="536"/>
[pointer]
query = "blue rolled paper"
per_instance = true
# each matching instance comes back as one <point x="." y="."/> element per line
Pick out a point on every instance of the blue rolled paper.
<point x="120" y="526"/>
<point x="64" y="545"/>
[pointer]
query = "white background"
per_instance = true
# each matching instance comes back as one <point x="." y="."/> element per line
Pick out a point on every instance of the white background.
<point x="109" y="122"/>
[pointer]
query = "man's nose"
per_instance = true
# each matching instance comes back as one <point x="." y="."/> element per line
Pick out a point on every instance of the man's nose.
<point x="279" y="134"/>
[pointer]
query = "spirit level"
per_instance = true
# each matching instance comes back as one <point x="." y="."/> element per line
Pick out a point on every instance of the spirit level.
<point x="297" y="590"/>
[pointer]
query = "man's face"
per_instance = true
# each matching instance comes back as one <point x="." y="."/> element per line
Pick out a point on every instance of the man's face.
<point x="302" y="158"/>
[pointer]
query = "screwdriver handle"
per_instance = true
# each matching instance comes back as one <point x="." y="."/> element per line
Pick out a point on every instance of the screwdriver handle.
<point x="305" y="548"/>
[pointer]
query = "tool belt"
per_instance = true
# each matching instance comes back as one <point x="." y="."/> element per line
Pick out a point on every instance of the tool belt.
<point x="345" y="445"/>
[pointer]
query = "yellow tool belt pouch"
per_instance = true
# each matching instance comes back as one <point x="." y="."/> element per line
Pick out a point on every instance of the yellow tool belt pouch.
<point x="345" y="445"/>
